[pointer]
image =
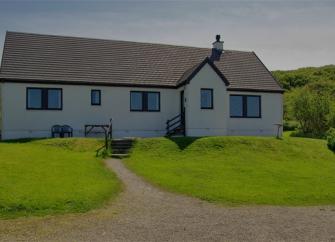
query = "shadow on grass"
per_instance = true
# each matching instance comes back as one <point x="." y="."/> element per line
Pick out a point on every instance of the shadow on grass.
<point x="183" y="142"/>
<point x="300" y="134"/>
<point x="21" y="141"/>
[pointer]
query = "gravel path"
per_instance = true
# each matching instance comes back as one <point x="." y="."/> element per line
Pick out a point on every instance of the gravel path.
<point x="145" y="213"/>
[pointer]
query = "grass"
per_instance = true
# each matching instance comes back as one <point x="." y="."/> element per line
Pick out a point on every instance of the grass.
<point x="240" y="170"/>
<point x="52" y="176"/>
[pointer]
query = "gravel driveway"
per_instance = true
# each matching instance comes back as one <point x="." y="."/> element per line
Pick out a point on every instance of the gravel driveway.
<point x="145" y="213"/>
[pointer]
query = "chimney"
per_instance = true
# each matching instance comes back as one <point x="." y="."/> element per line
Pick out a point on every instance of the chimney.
<point x="217" y="49"/>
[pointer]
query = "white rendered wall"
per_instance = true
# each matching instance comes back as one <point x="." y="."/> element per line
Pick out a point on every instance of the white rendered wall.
<point x="17" y="122"/>
<point x="272" y="113"/>
<point x="206" y="122"/>
<point x="217" y="121"/>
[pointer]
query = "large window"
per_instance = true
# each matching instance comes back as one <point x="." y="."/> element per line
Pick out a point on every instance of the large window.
<point x="245" y="106"/>
<point x="95" y="97"/>
<point x="144" y="101"/>
<point x="206" y="98"/>
<point x="44" y="98"/>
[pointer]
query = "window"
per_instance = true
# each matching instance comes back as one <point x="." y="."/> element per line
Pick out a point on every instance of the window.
<point x="153" y="101"/>
<point x="44" y="98"/>
<point x="34" y="98"/>
<point x="54" y="99"/>
<point x="236" y="106"/>
<point x="206" y="98"/>
<point x="95" y="97"/>
<point x="144" y="101"/>
<point x="253" y="106"/>
<point x="136" y="101"/>
<point x="245" y="106"/>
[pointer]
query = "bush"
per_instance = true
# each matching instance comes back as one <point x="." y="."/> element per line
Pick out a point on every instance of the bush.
<point x="290" y="125"/>
<point x="331" y="139"/>
<point x="313" y="111"/>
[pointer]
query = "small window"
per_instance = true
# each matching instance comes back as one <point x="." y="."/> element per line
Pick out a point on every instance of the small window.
<point x="144" y="101"/>
<point x="206" y="98"/>
<point x="44" y="98"/>
<point x="95" y="97"/>
<point x="245" y="106"/>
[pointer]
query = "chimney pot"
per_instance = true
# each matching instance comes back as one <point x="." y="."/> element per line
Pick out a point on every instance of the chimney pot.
<point x="218" y="44"/>
<point x="217" y="49"/>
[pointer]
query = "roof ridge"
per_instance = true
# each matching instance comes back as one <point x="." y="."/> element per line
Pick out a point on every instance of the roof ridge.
<point x="118" y="40"/>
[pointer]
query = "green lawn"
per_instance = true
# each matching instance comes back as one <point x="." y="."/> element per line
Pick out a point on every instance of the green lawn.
<point x="53" y="176"/>
<point x="240" y="170"/>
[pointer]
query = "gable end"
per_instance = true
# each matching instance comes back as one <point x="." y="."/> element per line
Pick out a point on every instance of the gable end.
<point x="199" y="67"/>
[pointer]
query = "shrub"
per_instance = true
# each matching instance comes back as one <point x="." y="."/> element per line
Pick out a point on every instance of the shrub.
<point x="313" y="111"/>
<point x="331" y="139"/>
<point x="290" y="125"/>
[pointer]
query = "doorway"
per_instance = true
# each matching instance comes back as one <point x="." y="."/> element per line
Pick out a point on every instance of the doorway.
<point x="182" y="104"/>
<point x="182" y="109"/>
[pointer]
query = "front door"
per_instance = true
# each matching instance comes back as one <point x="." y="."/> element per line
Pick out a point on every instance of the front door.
<point x="182" y="107"/>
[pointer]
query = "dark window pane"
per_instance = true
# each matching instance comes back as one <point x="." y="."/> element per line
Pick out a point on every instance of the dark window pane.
<point x="96" y="97"/>
<point x="253" y="106"/>
<point x="206" y="98"/>
<point x="136" y="101"/>
<point x="153" y="101"/>
<point x="34" y="98"/>
<point x="236" y="106"/>
<point x="54" y="99"/>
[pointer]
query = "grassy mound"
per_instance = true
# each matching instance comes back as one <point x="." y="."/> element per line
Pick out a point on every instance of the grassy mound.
<point x="240" y="170"/>
<point x="39" y="177"/>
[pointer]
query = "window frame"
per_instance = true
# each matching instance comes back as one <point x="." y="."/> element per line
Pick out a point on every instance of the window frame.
<point x="212" y="98"/>
<point x="44" y="98"/>
<point x="99" y="103"/>
<point x="245" y="106"/>
<point x="145" y="101"/>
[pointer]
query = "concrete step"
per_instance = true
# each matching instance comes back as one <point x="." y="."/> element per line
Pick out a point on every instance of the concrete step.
<point x="119" y="156"/>
<point x="121" y="147"/>
<point x="120" y="151"/>
<point x="122" y="141"/>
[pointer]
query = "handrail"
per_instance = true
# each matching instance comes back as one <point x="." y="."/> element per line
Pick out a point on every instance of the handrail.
<point x="108" y="137"/>
<point x="179" y="117"/>
<point x="175" y="123"/>
<point x="175" y="117"/>
<point x="98" y="150"/>
<point x="110" y="128"/>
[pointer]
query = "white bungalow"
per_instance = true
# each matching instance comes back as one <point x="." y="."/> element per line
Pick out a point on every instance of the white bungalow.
<point x="48" y="80"/>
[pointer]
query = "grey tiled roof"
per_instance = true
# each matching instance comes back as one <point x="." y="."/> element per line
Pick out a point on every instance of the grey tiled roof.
<point x="48" y="58"/>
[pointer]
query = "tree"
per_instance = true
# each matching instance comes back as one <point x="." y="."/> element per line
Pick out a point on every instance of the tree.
<point x="313" y="111"/>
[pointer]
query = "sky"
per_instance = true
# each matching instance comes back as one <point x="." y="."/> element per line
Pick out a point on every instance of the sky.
<point x="284" y="34"/>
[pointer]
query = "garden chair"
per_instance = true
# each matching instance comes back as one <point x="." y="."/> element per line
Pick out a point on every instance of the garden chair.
<point x="66" y="129"/>
<point x="56" y="130"/>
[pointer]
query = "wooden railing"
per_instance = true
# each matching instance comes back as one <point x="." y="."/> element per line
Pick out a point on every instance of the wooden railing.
<point x="110" y="129"/>
<point x="108" y="136"/>
<point x="176" y="125"/>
